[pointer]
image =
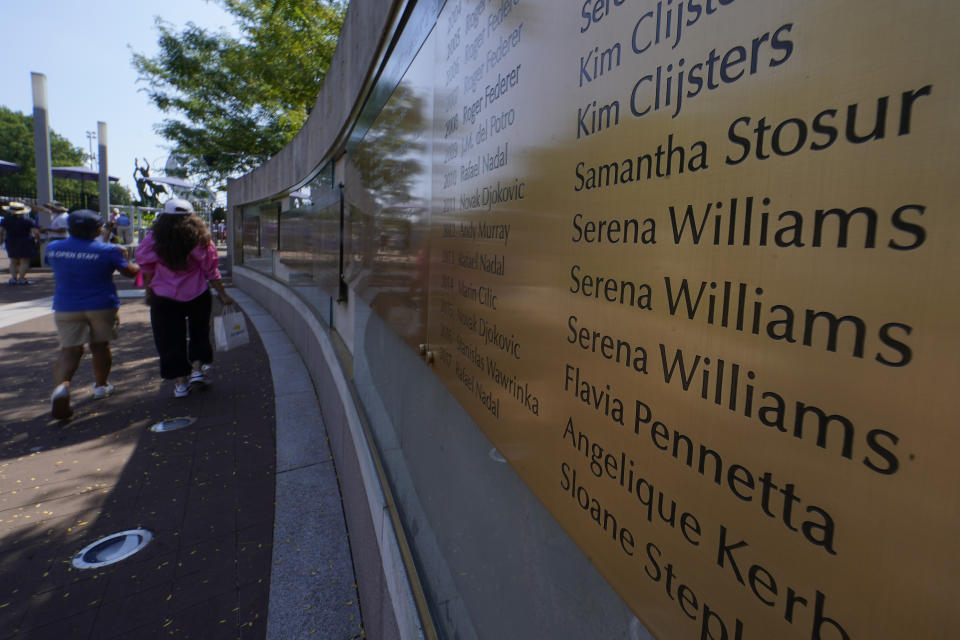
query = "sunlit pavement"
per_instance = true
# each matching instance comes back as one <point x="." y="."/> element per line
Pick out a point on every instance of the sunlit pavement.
<point x="206" y="492"/>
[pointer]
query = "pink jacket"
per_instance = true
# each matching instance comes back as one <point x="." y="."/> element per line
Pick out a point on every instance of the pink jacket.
<point x="202" y="265"/>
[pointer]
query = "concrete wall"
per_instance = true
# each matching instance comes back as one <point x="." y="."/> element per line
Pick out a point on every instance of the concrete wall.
<point x="386" y="604"/>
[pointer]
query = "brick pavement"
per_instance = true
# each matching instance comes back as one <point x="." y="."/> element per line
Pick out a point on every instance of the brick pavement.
<point x="206" y="492"/>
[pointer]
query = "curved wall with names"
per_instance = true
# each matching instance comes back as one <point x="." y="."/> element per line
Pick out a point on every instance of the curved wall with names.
<point x="650" y="306"/>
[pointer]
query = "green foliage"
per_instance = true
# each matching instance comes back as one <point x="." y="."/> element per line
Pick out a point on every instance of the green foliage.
<point x="234" y="102"/>
<point x="119" y="194"/>
<point x="16" y="142"/>
<point x="16" y="145"/>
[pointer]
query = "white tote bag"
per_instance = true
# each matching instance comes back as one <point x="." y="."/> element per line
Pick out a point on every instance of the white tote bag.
<point x="230" y="329"/>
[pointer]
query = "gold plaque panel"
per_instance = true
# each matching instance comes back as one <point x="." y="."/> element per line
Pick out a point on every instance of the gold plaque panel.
<point x="690" y="271"/>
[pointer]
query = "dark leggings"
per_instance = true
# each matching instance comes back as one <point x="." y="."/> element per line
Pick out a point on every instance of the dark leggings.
<point x="172" y="322"/>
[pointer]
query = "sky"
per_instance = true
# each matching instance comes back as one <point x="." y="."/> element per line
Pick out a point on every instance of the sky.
<point x="84" y="49"/>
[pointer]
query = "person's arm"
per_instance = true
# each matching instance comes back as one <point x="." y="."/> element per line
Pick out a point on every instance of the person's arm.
<point x="146" y="259"/>
<point x="221" y="292"/>
<point x="123" y="264"/>
<point x="209" y="265"/>
<point x="131" y="270"/>
<point x="147" y="291"/>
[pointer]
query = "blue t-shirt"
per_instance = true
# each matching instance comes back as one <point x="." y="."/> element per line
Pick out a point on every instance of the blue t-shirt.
<point x="83" y="273"/>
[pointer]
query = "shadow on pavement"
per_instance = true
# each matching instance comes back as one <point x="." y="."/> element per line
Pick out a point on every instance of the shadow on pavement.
<point x="206" y="492"/>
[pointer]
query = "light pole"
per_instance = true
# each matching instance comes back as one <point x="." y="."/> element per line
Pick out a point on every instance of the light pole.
<point x="91" y="135"/>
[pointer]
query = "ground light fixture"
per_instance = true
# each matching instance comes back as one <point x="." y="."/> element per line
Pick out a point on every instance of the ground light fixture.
<point x="172" y="424"/>
<point x="112" y="549"/>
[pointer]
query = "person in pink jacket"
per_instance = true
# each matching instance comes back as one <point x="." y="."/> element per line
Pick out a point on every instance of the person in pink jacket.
<point x="179" y="262"/>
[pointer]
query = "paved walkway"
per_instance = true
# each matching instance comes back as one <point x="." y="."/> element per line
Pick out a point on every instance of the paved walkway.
<point x="206" y="492"/>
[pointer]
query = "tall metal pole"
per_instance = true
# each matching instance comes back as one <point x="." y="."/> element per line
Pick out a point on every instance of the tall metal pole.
<point x="41" y="143"/>
<point x="104" y="177"/>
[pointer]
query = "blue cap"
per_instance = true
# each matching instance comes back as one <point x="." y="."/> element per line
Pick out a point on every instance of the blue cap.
<point x="83" y="220"/>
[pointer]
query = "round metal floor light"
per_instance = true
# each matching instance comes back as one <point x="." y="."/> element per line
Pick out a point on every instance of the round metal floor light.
<point x="111" y="549"/>
<point x="172" y="424"/>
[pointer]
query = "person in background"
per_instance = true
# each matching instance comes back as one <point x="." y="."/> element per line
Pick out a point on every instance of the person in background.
<point x="20" y="234"/>
<point x="58" y="222"/>
<point x="110" y="228"/>
<point x="124" y="229"/>
<point x="179" y="262"/>
<point x="85" y="304"/>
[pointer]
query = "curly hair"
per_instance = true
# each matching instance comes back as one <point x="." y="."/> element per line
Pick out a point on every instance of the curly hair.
<point x="176" y="235"/>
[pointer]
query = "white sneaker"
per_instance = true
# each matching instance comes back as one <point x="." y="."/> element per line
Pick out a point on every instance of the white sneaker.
<point x="100" y="393"/>
<point x="60" y="402"/>
<point x="181" y="390"/>
<point x="198" y="378"/>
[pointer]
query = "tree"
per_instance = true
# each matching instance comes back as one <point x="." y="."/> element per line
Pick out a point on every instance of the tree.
<point x="16" y="141"/>
<point x="16" y="145"/>
<point x="234" y="102"/>
<point x="119" y="194"/>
